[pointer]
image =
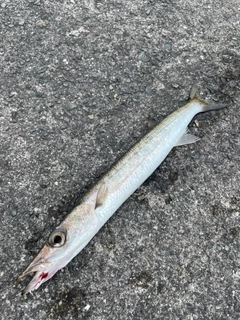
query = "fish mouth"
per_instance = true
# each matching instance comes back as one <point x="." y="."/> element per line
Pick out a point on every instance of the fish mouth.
<point x="36" y="281"/>
<point x="43" y="271"/>
<point x="45" y="265"/>
<point x="33" y="267"/>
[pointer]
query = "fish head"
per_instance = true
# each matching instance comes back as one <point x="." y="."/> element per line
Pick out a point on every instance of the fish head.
<point x="48" y="261"/>
<point x="63" y="244"/>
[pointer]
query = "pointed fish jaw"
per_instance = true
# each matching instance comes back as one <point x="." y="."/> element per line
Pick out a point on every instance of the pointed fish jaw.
<point x="34" y="267"/>
<point x="39" y="263"/>
<point x="36" y="281"/>
<point x="42" y="274"/>
<point x="43" y="266"/>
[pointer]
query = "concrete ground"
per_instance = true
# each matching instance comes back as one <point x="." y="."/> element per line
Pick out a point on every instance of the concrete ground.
<point x="78" y="80"/>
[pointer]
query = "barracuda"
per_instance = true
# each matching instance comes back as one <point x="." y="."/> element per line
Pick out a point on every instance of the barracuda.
<point x="107" y="195"/>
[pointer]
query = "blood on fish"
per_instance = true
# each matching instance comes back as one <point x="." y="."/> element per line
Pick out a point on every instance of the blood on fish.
<point x="43" y="275"/>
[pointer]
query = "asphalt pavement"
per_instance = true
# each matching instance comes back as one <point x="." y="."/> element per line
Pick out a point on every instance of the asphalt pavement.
<point x="78" y="81"/>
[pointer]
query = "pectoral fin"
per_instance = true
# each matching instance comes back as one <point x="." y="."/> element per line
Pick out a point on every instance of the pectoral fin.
<point x="102" y="194"/>
<point x="186" y="138"/>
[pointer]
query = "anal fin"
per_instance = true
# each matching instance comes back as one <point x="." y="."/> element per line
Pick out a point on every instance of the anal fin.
<point x="186" y="138"/>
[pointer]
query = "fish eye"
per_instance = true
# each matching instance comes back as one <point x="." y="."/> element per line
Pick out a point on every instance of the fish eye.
<point x="57" y="238"/>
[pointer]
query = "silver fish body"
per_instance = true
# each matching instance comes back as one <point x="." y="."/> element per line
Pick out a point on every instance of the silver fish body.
<point x="107" y="195"/>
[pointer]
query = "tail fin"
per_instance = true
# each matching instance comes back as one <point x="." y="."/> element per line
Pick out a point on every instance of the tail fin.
<point x="213" y="106"/>
<point x="207" y="106"/>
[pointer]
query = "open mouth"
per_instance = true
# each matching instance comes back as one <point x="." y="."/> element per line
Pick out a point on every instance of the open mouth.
<point x="39" y="278"/>
<point x="42" y="274"/>
<point x="45" y="265"/>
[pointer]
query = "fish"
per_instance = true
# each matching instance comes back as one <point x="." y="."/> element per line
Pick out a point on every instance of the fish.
<point x="113" y="189"/>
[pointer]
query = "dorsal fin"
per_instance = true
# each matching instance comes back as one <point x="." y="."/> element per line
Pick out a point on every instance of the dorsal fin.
<point x="194" y="92"/>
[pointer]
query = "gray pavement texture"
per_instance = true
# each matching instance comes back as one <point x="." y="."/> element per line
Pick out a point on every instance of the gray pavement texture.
<point x="78" y="81"/>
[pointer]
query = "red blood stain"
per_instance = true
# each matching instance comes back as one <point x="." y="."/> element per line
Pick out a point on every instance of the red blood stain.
<point x="43" y="275"/>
